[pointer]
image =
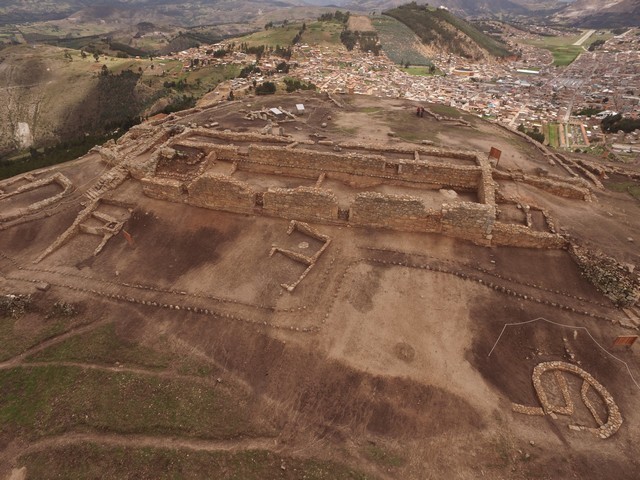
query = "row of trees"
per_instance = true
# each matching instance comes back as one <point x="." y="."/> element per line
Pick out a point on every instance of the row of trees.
<point x="337" y="16"/>
<point x="368" y="41"/>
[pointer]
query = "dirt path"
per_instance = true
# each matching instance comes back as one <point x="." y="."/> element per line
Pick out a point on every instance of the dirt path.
<point x="13" y="452"/>
<point x="121" y="369"/>
<point x="18" y="359"/>
<point x="360" y="23"/>
<point x="142" y="441"/>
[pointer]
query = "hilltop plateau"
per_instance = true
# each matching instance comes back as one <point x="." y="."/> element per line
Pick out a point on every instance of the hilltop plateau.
<point x="347" y="290"/>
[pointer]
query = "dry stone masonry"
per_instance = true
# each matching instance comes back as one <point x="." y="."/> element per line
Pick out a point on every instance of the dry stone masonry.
<point x="423" y="169"/>
<point x="606" y="426"/>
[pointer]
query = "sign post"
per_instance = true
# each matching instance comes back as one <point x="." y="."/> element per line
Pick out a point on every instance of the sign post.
<point x="495" y="153"/>
<point x="625" y="340"/>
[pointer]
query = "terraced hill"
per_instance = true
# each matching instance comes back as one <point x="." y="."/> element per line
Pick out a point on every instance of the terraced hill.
<point x="443" y="31"/>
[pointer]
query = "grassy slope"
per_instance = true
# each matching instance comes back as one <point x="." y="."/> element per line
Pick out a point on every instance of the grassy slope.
<point x="398" y="41"/>
<point x="316" y="33"/>
<point x="56" y="113"/>
<point x="430" y="24"/>
<point x="92" y="461"/>
<point x="50" y="400"/>
<point x="38" y="401"/>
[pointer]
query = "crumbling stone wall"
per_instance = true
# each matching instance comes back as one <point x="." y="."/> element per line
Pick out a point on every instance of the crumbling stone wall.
<point x="468" y="220"/>
<point x="616" y="281"/>
<point x="573" y="188"/>
<point x="319" y="161"/>
<point x="301" y="203"/>
<point x="57" y="178"/>
<point x="429" y="151"/>
<point x="559" y="189"/>
<point x="221" y="192"/>
<point x="396" y="212"/>
<point x="471" y="221"/>
<point x="504" y="234"/>
<point x="241" y="136"/>
<point x="168" y="189"/>
<point x="440" y="174"/>
<point x="486" y="184"/>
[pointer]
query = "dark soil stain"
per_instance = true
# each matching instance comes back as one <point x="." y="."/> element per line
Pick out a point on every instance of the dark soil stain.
<point x="329" y="395"/>
<point x="175" y="251"/>
<point x="365" y="288"/>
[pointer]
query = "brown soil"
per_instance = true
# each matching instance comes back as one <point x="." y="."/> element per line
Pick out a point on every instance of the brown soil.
<point x="380" y="358"/>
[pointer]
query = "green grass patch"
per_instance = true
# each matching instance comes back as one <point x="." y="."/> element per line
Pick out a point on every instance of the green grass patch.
<point x="16" y="338"/>
<point x="561" y="47"/>
<point x="632" y="188"/>
<point x="552" y="135"/>
<point x="323" y="33"/>
<point x="383" y="457"/>
<point x="94" y="461"/>
<point x="371" y="109"/>
<point x="49" y="400"/>
<point x="565" y="55"/>
<point x="421" y="71"/>
<point x="446" y="111"/>
<point x="103" y="346"/>
<point x="282" y="36"/>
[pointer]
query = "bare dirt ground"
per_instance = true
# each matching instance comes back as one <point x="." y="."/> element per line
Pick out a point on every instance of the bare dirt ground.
<point x="360" y="23"/>
<point x="184" y="356"/>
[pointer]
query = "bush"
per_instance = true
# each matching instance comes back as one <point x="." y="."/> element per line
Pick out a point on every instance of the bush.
<point x="266" y="88"/>
<point x="294" y="84"/>
<point x="14" y="306"/>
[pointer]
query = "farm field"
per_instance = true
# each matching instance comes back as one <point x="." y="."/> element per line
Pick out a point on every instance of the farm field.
<point x="562" y="47"/>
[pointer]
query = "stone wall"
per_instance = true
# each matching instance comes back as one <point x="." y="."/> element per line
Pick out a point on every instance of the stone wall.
<point x="240" y="136"/>
<point x="471" y="221"/>
<point x="504" y="234"/>
<point x="58" y="178"/>
<point x="308" y="163"/>
<point x="301" y="203"/>
<point x="431" y="151"/>
<point x="440" y="174"/>
<point x="164" y="189"/>
<point x="574" y="188"/>
<point x="320" y="161"/>
<point x="559" y="189"/>
<point x="221" y="192"/>
<point x="396" y="212"/>
<point x="618" y="282"/>
<point x="486" y="184"/>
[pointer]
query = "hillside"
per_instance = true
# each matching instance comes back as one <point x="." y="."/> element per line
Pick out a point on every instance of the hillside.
<point x="400" y="43"/>
<point x="601" y="13"/>
<point x="445" y="32"/>
<point x="38" y="109"/>
<point x="198" y="12"/>
<point x="461" y="7"/>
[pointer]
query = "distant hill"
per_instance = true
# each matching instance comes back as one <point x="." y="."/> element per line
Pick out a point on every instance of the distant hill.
<point x="460" y="7"/>
<point x="444" y="32"/>
<point x="196" y="12"/>
<point x="601" y="13"/>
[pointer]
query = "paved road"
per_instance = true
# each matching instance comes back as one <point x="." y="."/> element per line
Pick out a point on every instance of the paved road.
<point x="584" y="37"/>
